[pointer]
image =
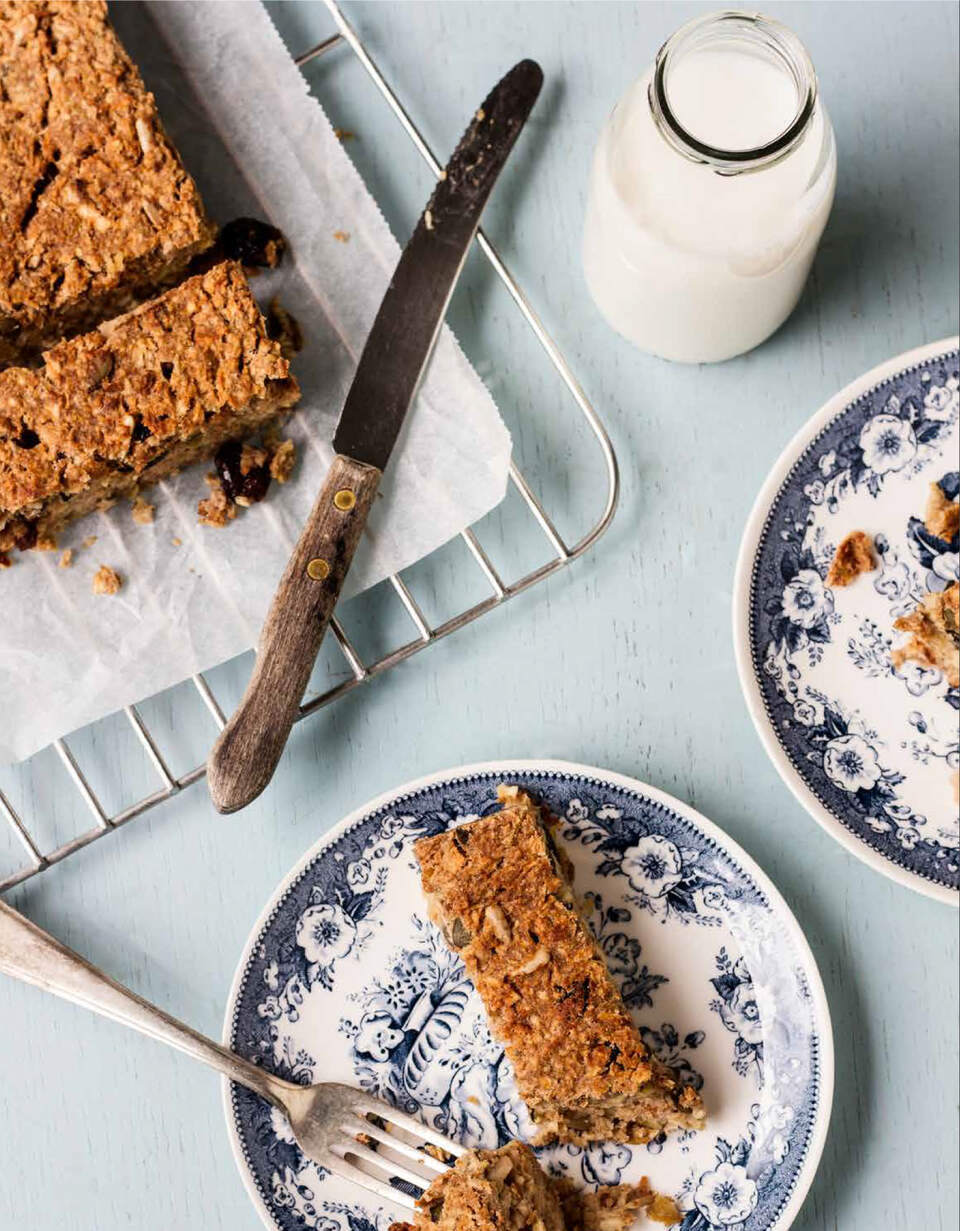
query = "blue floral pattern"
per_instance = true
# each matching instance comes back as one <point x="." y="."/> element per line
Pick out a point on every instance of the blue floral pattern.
<point x="348" y="980"/>
<point x="875" y="743"/>
<point x="739" y="1011"/>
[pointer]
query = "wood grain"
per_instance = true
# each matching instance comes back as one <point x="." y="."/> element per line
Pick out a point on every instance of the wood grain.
<point x="243" y="759"/>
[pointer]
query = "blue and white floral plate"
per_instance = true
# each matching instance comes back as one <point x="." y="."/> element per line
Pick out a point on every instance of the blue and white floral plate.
<point x="345" y="979"/>
<point x="871" y="751"/>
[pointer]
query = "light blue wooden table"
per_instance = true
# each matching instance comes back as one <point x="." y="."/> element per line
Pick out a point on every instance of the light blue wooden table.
<point x="623" y="661"/>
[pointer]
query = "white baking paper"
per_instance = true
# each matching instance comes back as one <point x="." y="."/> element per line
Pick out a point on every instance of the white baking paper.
<point x="258" y="144"/>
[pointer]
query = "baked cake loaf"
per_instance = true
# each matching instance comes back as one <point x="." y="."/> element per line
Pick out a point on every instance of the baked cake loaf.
<point x="96" y="209"/>
<point x="506" y="1190"/>
<point x="133" y="401"/>
<point x="499" y="889"/>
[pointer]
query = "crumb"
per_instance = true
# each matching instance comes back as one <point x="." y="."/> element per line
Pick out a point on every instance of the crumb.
<point x="934" y="626"/>
<point x="439" y="1153"/>
<point x="665" y="1210"/>
<point x="218" y="508"/>
<point x="342" y="236"/>
<point x="481" y="114"/>
<point x="252" y="457"/>
<point x="428" y="219"/>
<point x="46" y="543"/>
<point x="613" y="1207"/>
<point x="107" y="503"/>
<point x="142" y="511"/>
<point x="4" y="560"/>
<point x="176" y="542"/>
<point x="283" y="460"/>
<point x="106" y="581"/>
<point x="283" y="327"/>
<point x="89" y="540"/>
<point x="942" y="516"/>
<point x="66" y="557"/>
<point x="344" y="134"/>
<point x="853" y="557"/>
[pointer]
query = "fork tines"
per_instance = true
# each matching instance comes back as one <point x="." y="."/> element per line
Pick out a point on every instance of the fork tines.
<point x="389" y="1152"/>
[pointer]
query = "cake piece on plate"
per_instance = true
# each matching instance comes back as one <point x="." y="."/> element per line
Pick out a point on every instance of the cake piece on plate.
<point x="491" y="1190"/>
<point x="942" y="514"/>
<point x="96" y="208"/>
<point x="500" y="891"/>
<point x="506" y="1190"/>
<point x="133" y="401"/>
<point x="934" y="627"/>
<point x="854" y="556"/>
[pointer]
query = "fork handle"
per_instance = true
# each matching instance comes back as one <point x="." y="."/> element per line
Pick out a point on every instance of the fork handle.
<point x="29" y="953"/>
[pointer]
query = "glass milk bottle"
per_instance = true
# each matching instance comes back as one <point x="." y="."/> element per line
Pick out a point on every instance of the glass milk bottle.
<point x="711" y="185"/>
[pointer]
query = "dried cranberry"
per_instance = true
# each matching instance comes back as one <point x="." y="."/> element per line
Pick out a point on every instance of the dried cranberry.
<point x="253" y="243"/>
<point x="251" y="486"/>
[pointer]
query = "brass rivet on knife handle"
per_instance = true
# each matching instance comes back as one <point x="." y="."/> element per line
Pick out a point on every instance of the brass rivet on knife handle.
<point x="345" y="499"/>
<point x="318" y="569"/>
<point x="244" y="757"/>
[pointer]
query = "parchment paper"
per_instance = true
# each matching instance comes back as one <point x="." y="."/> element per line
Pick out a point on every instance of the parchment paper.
<point x="258" y="144"/>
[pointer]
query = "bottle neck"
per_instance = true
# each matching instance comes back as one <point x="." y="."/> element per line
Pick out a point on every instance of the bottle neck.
<point x="742" y="44"/>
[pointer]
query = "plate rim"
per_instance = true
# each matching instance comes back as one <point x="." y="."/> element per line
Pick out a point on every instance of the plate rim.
<point x="820" y="1004"/>
<point x="740" y="612"/>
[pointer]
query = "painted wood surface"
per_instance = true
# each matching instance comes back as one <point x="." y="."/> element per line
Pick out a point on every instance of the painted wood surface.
<point x="625" y="661"/>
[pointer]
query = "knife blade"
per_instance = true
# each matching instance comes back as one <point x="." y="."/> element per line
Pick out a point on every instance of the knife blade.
<point x="401" y="339"/>
<point x="394" y="357"/>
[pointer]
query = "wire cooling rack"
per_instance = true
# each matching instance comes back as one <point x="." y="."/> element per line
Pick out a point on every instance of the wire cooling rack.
<point x="359" y="671"/>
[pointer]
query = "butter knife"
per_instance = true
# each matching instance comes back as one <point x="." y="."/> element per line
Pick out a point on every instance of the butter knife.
<point x="243" y="759"/>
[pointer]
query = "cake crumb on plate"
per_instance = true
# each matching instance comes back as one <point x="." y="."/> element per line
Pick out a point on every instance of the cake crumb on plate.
<point x="934" y="625"/>
<point x="853" y="557"/>
<point x="66" y="557"/>
<point x="942" y="515"/>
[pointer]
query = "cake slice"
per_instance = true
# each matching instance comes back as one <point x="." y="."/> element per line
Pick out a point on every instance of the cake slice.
<point x="499" y="889"/>
<point x="133" y="401"/>
<point x="506" y="1190"/>
<point x="96" y="208"/>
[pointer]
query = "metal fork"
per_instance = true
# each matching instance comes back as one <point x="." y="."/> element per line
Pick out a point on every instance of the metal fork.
<point x="326" y="1118"/>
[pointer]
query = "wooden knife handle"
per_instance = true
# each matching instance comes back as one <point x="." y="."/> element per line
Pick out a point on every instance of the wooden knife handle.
<point x="243" y="759"/>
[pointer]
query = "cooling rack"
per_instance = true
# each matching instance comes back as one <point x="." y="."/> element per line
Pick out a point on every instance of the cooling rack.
<point x="424" y="633"/>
